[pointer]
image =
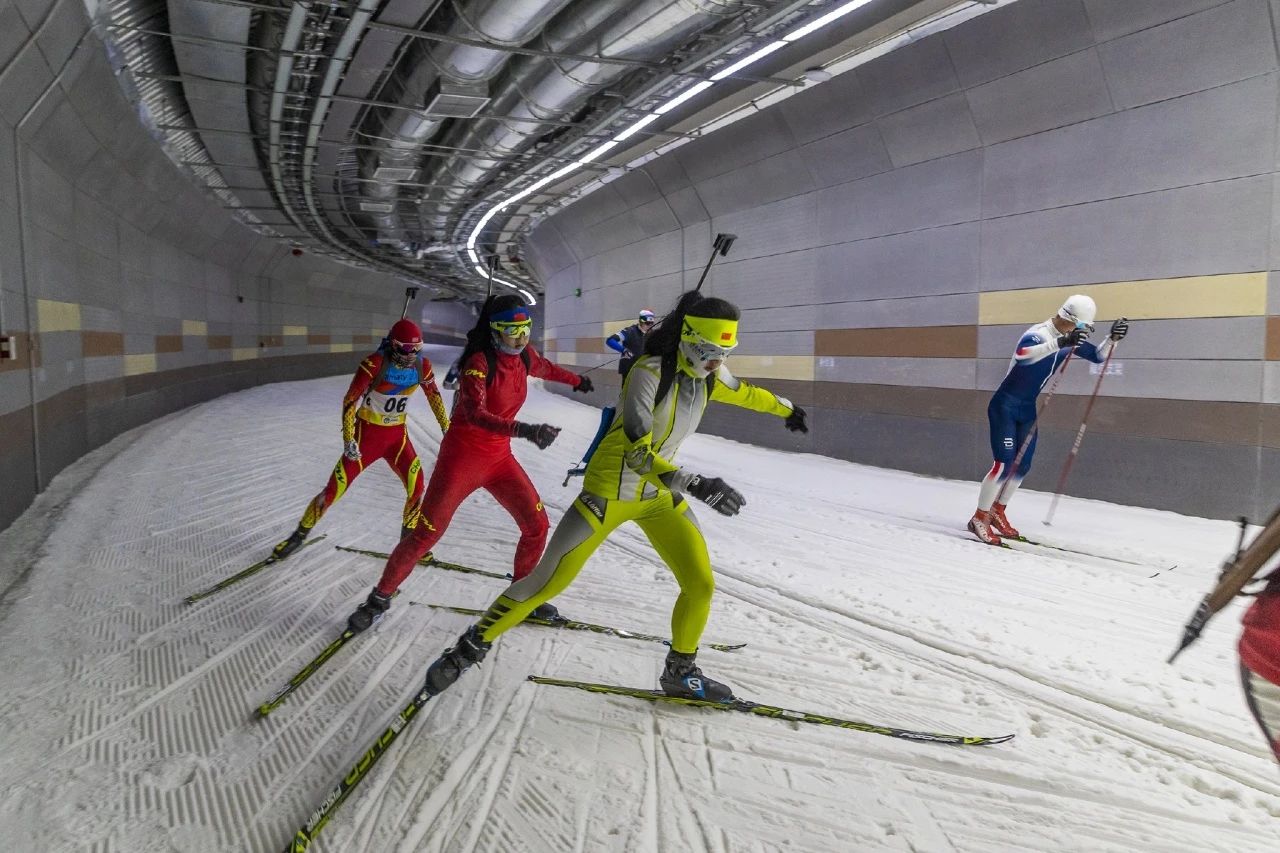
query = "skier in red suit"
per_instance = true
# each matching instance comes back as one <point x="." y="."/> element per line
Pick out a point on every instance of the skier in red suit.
<point x="476" y="453"/>
<point x="373" y="427"/>
<point x="1260" y="661"/>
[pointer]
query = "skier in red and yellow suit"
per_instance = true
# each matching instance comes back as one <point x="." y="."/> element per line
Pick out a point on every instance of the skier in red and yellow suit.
<point x="373" y="427"/>
<point x="476" y="453"/>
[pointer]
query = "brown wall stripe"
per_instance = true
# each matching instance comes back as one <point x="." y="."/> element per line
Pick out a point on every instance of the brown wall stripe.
<point x="1273" y="339"/>
<point x="168" y="343"/>
<point x="318" y="339"/>
<point x="590" y="345"/>
<point x="219" y="342"/>
<point x="914" y="341"/>
<point x="96" y="344"/>
<point x="21" y="343"/>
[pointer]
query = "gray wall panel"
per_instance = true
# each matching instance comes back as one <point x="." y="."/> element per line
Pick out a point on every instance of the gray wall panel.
<point x="1165" y="379"/>
<point x="926" y="195"/>
<point x="911" y="75"/>
<point x="764" y="135"/>
<point x="847" y="156"/>
<point x="1136" y="151"/>
<point x="1111" y="19"/>
<point x="1222" y="45"/>
<point x="923" y="372"/>
<point x="933" y="261"/>
<point x="930" y="130"/>
<point x="830" y="108"/>
<point x="1058" y="93"/>
<point x="772" y="179"/>
<point x="1018" y="36"/>
<point x="1214" y="228"/>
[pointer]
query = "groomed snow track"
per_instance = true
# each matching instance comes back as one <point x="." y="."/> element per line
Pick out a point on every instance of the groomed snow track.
<point x="127" y="718"/>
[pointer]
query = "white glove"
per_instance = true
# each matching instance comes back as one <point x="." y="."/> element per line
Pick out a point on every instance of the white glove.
<point x="351" y="450"/>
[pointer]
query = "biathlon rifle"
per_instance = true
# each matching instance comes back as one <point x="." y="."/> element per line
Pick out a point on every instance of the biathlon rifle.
<point x="1236" y="574"/>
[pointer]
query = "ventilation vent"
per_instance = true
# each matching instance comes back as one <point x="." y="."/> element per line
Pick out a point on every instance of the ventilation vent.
<point x="455" y="100"/>
<point x="394" y="173"/>
<point x="377" y="206"/>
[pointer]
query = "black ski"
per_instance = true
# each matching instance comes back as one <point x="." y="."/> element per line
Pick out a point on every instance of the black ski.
<point x="575" y="625"/>
<point x="244" y="573"/>
<point x="338" y="793"/>
<point x="747" y="707"/>
<point x="309" y="670"/>
<point x="428" y="560"/>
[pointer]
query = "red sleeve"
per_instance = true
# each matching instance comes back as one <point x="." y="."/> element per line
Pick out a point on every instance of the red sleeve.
<point x="355" y="393"/>
<point x="543" y="369"/>
<point x="471" y="394"/>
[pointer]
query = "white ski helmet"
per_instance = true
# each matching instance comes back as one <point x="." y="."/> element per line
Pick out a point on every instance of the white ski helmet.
<point x="1080" y="310"/>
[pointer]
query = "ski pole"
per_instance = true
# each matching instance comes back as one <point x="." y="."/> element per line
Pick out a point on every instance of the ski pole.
<point x="1026" y="442"/>
<point x="1075" y="447"/>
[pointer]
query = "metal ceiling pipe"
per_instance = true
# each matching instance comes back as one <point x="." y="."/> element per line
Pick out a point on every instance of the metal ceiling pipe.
<point x="503" y="22"/>
<point x="648" y="29"/>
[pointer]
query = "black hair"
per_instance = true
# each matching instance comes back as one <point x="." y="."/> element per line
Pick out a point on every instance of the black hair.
<point x="480" y="338"/>
<point x="664" y="338"/>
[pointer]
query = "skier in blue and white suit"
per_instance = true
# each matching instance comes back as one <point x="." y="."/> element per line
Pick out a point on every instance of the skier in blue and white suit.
<point x="1041" y="352"/>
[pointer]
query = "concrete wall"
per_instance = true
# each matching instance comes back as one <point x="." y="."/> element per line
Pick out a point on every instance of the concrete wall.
<point x="901" y="224"/>
<point x="133" y="294"/>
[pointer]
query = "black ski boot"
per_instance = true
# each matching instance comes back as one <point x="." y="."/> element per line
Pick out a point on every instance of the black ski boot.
<point x="546" y="610"/>
<point x="293" y="543"/>
<point x="682" y="678"/>
<point x="470" y="648"/>
<point x="369" y="613"/>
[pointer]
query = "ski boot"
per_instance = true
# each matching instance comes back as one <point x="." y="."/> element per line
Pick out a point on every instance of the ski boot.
<point x="470" y="648"/>
<point x="369" y="613"/>
<point x="1001" y="524"/>
<point x="546" y="610"/>
<point x="293" y="543"/>
<point x="681" y="677"/>
<point x="980" y="526"/>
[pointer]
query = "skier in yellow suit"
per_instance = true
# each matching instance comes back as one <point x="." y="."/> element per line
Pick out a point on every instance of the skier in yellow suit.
<point x="631" y="477"/>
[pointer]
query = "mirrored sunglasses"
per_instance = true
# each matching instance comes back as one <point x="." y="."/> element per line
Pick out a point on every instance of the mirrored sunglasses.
<point x="518" y="329"/>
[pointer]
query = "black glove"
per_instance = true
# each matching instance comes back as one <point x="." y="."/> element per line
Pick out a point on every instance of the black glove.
<point x="1119" y="329"/>
<point x="584" y="384"/>
<point x="540" y="434"/>
<point x="796" y="420"/>
<point x="717" y="494"/>
<point x="1072" y="338"/>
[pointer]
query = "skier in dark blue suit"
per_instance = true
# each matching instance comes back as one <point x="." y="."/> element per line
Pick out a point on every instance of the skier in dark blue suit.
<point x="629" y="342"/>
<point x="1041" y="352"/>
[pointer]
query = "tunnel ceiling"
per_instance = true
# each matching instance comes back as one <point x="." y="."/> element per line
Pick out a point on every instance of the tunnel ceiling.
<point x="425" y="138"/>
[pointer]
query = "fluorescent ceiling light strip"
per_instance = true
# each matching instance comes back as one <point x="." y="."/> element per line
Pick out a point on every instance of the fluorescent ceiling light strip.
<point x="748" y="60"/>
<point x="819" y="23"/>
<point x="682" y="97"/>
<point x="636" y="128"/>
<point x="613" y="143"/>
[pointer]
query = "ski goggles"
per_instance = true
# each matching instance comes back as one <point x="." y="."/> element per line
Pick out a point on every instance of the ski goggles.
<point x="406" y="349"/>
<point x="1080" y="324"/>
<point x="515" y="323"/>
<point x="710" y="339"/>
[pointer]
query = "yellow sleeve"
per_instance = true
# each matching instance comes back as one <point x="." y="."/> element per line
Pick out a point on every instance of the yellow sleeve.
<point x="734" y="391"/>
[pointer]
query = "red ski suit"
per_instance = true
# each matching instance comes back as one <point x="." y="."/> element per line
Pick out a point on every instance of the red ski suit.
<point x="1260" y="642"/>
<point x="476" y="454"/>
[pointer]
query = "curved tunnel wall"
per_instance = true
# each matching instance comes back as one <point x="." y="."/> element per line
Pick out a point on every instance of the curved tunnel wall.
<point x="130" y="292"/>
<point x="901" y="224"/>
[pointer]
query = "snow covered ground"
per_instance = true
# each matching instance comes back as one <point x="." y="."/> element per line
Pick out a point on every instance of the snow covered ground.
<point x="126" y="717"/>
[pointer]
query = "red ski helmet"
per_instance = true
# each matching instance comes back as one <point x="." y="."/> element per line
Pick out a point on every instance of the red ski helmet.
<point x="405" y="340"/>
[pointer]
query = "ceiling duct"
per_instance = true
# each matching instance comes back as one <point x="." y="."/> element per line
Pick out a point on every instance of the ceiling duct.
<point x="401" y="134"/>
<point x="455" y="100"/>
<point x="552" y="89"/>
